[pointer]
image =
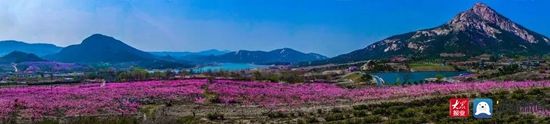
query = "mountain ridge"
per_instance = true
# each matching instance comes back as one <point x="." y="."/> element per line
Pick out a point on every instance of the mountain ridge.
<point x="210" y="52"/>
<point x="283" y="55"/>
<point x="18" y="56"/>
<point x="40" y="49"/>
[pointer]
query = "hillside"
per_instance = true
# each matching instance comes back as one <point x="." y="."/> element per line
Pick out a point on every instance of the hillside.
<point x="17" y="57"/>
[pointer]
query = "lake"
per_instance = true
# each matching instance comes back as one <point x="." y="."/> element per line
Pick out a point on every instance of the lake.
<point x="227" y="67"/>
<point x="393" y="77"/>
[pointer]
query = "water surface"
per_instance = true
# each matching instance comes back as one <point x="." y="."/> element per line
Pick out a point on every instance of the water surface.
<point x="227" y="67"/>
<point x="403" y="77"/>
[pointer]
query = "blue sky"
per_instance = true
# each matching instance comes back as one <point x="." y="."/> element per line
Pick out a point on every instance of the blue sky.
<point x="329" y="27"/>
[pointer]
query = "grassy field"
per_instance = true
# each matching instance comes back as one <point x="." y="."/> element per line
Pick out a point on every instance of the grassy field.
<point x="430" y="67"/>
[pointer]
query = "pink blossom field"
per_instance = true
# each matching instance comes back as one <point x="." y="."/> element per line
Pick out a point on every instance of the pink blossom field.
<point x="127" y="97"/>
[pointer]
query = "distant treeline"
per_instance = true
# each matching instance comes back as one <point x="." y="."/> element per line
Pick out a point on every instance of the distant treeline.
<point x="133" y="74"/>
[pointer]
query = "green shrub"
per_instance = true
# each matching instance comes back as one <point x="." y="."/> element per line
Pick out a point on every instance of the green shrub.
<point x="360" y="113"/>
<point x="215" y="116"/>
<point x="188" y="120"/>
<point x="536" y="92"/>
<point x="503" y="92"/>
<point x="335" y="117"/>
<point x="408" y="113"/>
<point x="372" y="119"/>
<point x="519" y="91"/>
<point x="429" y="110"/>
<point x="320" y="111"/>
<point x="48" y="121"/>
<point x="311" y="120"/>
<point x="404" y="121"/>
<point x="380" y="111"/>
<point x="396" y="109"/>
<point x="302" y="121"/>
<point x="360" y="107"/>
<point x="336" y="110"/>
<point x="109" y="120"/>
<point x="276" y="114"/>
<point x="517" y="96"/>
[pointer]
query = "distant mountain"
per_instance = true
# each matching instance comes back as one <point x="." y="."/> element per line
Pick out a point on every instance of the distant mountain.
<point x="211" y="52"/>
<point x="39" y="49"/>
<point x="101" y="48"/>
<point x="17" y="57"/>
<point x="473" y="32"/>
<point x="285" y="55"/>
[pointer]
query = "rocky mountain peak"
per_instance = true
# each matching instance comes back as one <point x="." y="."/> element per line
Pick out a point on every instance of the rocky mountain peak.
<point x="478" y="14"/>
<point x="481" y="9"/>
<point x="483" y="12"/>
<point x="485" y="20"/>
